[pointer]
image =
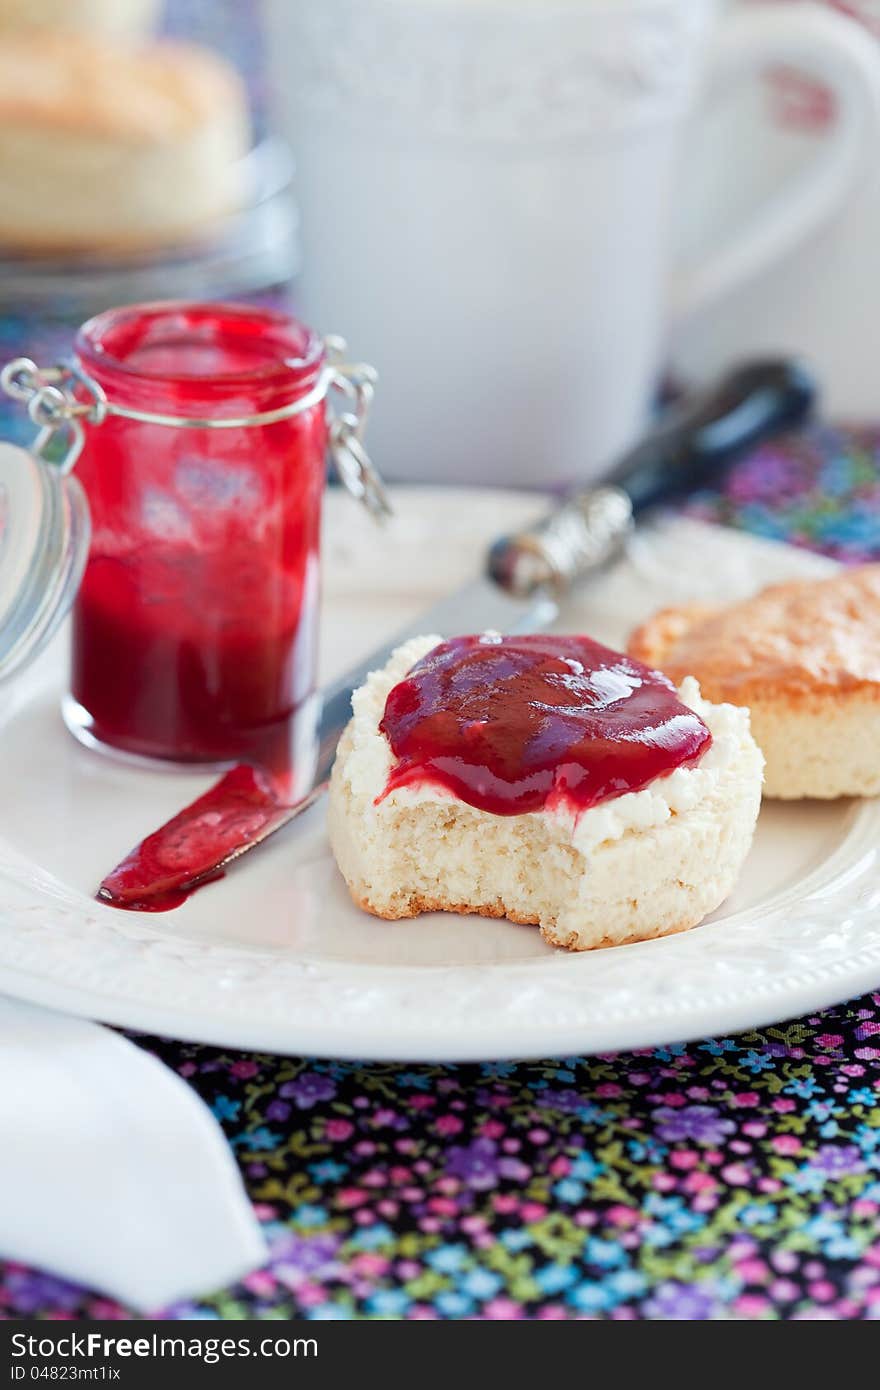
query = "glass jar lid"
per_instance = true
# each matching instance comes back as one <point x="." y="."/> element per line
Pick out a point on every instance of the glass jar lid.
<point x="44" y="542"/>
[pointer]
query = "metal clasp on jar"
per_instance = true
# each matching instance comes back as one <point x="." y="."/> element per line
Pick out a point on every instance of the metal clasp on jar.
<point x="350" y="458"/>
<point x="58" y="413"/>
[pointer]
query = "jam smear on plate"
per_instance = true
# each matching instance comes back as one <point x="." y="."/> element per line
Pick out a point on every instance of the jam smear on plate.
<point x="516" y="724"/>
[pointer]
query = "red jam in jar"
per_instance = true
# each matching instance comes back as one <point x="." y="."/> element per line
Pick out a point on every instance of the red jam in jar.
<point x="516" y="724"/>
<point x="194" y="631"/>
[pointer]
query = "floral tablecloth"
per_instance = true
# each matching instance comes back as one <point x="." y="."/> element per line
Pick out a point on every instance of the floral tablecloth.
<point x="733" y="1177"/>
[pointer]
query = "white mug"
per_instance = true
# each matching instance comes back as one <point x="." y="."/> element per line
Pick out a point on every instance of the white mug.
<point x="823" y="301"/>
<point x="485" y="189"/>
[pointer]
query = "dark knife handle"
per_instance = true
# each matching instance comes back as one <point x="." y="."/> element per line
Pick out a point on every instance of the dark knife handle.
<point x="695" y="441"/>
<point x="692" y="444"/>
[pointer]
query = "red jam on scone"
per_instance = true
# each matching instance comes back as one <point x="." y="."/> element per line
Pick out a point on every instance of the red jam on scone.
<point x="516" y="724"/>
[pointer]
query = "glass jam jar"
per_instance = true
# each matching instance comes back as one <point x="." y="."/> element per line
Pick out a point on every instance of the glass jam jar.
<point x="199" y="434"/>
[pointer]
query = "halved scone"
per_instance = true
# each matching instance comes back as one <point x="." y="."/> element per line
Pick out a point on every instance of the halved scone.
<point x="804" y="657"/>
<point x="636" y="865"/>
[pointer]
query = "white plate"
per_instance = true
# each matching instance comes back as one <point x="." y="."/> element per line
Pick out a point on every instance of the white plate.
<point x="277" y="958"/>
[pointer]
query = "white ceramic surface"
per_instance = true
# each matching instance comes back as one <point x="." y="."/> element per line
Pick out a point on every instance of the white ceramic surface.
<point x="495" y="180"/>
<point x="823" y="301"/>
<point x="276" y="956"/>
<point x="164" y="1215"/>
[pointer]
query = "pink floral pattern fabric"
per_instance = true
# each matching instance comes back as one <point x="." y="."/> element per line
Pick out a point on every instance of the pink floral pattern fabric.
<point x="735" y="1177"/>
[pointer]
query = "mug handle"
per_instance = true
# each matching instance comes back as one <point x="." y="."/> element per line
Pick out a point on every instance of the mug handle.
<point x="843" y="58"/>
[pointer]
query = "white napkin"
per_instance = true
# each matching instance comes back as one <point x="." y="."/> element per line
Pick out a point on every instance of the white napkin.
<point x="113" y="1173"/>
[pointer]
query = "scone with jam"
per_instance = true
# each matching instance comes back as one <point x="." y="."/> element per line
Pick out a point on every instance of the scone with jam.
<point x="546" y="779"/>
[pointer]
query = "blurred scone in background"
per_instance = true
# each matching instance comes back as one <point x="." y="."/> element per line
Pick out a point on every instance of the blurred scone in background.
<point x="113" y="142"/>
<point x="117" y="18"/>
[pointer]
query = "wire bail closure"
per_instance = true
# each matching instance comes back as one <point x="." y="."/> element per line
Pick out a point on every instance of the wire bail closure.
<point x="60" y="416"/>
<point x="353" y="464"/>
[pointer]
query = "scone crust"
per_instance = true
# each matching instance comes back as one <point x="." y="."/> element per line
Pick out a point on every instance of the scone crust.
<point x="792" y="643"/>
<point x="805" y="658"/>
<point x="568" y="941"/>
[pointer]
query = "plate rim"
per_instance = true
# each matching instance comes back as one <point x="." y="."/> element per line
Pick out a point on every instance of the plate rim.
<point x="320" y="1008"/>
